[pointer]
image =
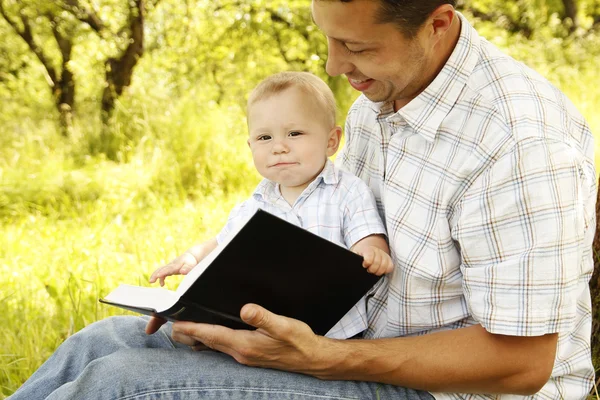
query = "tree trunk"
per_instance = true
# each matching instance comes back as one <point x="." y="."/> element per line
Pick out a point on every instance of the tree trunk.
<point x="595" y="290"/>
<point x="571" y="13"/>
<point x="64" y="87"/>
<point x="119" y="70"/>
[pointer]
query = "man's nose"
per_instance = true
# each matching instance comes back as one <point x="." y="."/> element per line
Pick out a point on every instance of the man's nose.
<point x="337" y="61"/>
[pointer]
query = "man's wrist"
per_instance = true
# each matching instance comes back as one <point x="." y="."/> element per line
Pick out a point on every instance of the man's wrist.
<point x="334" y="358"/>
<point x="361" y="360"/>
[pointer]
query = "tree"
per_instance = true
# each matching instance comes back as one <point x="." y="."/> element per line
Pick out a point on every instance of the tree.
<point x="60" y="79"/>
<point x="595" y="290"/>
<point x="66" y="21"/>
<point x="571" y="14"/>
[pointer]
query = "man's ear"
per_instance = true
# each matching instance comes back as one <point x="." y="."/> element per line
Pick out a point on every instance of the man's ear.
<point x="441" y="20"/>
<point x="333" y="142"/>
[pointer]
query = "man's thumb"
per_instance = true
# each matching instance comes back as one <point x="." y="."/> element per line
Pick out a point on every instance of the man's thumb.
<point x="255" y="315"/>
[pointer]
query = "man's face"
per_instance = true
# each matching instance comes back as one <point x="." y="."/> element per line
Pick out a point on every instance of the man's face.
<point x="377" y="59"/>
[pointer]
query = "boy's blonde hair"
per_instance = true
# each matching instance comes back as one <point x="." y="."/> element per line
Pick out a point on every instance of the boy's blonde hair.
<point x="309" y="83"/>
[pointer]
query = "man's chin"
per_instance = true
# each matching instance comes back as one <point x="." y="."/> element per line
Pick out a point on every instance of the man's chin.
<point x="375" y="98"/>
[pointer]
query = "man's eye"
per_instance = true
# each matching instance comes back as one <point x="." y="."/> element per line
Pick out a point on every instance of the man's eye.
<point x="295" y="133"/>
<point x="352" y="52"/>
<point x="263" y="138"/>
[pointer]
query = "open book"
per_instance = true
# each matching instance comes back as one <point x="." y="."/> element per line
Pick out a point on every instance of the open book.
<point x="270" y="262"/>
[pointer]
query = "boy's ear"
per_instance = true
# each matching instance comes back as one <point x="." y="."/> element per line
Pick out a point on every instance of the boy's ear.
<point x="333" y="143"/>
<point x="248" y="142"/>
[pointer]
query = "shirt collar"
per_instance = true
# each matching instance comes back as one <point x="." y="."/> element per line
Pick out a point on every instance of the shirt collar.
<point x="426" y="112"/>
<point x="268" y="190"/>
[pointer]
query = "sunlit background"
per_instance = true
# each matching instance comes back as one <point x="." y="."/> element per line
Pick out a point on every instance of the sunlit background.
<point x="122" y="138"/>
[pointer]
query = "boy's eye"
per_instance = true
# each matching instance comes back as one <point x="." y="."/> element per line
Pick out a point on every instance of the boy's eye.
<point x="295" y="133"/>
<point x="263" y="137"/>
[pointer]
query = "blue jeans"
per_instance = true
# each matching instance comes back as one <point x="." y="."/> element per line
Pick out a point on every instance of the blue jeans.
<point x="115" y="359"/>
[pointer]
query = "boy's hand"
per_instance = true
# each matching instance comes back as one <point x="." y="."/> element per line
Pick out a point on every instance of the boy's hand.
<point x="376" y="260"/>
<point x="179" y="266"/>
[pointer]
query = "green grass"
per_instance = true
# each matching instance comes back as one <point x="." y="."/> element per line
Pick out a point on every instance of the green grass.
<point x="74" y="225"/>
<point x="54" y="270"/>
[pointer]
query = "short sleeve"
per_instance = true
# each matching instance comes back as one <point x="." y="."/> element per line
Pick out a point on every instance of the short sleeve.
<point x="521" y="229"/>
<point x="361" y="218"/>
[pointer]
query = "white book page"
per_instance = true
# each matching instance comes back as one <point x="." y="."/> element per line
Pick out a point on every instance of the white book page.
<point x="159" y="299"/>
<point x="195" y="273"/>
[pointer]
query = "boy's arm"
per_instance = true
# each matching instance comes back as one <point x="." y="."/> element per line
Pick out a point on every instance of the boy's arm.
<point x="201" y="250"/>
<point x="376" y="254"/>
<point x="185" y="262"/>
<point x="371" y="240"/>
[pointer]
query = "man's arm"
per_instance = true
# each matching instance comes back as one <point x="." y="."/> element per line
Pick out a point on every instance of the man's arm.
<point x="462" y="360"/>
<point x="468" y="360"/>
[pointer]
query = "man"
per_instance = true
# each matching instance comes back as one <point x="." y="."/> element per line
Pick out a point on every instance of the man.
<point x="484" y="175"/>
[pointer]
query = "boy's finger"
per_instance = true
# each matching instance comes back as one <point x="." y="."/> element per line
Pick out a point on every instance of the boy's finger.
<point x="168" y="270"/>
<point x="155" y="275"/>
<point x="159" y="272"/>
<point x="377" y="258"/>
<point x="368" y="257"/>
<point x="389" y="265"/>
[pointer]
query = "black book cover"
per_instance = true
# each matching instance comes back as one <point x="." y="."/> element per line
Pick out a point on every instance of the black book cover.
<point x="270" y="262"/>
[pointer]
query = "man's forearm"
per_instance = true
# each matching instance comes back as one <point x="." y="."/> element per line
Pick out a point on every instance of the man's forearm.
<point x="468" y="360"/>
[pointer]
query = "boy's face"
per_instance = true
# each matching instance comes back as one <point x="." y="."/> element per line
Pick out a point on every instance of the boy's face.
<point x="291" y="137"/>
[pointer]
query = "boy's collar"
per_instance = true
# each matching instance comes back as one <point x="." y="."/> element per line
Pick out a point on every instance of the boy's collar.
<point x="267" y="189"/>
<point x="329" y="174"/>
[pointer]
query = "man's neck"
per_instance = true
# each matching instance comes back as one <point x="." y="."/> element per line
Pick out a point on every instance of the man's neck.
<point x="441" y="55"/>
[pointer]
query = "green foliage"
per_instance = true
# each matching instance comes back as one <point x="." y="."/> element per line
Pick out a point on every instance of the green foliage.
<point x="78" y="215"/>
<point x="168" y="154"/>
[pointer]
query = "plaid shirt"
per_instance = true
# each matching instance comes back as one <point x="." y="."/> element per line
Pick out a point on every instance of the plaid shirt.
<point x="487" y="186"/>
<point x="337" y="206"/>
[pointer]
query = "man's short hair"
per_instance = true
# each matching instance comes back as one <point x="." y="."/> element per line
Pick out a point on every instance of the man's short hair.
<point x="311" y="84"/>
<point x="408" y="15"/>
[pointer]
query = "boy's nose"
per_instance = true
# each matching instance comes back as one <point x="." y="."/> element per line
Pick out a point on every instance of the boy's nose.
<point x="279" y="147"/>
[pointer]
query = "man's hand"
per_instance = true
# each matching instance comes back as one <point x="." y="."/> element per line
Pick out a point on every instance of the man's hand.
<point x="465" y="360"/>
<point x="154" y="325"/>
<point x="279" y="342"/>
